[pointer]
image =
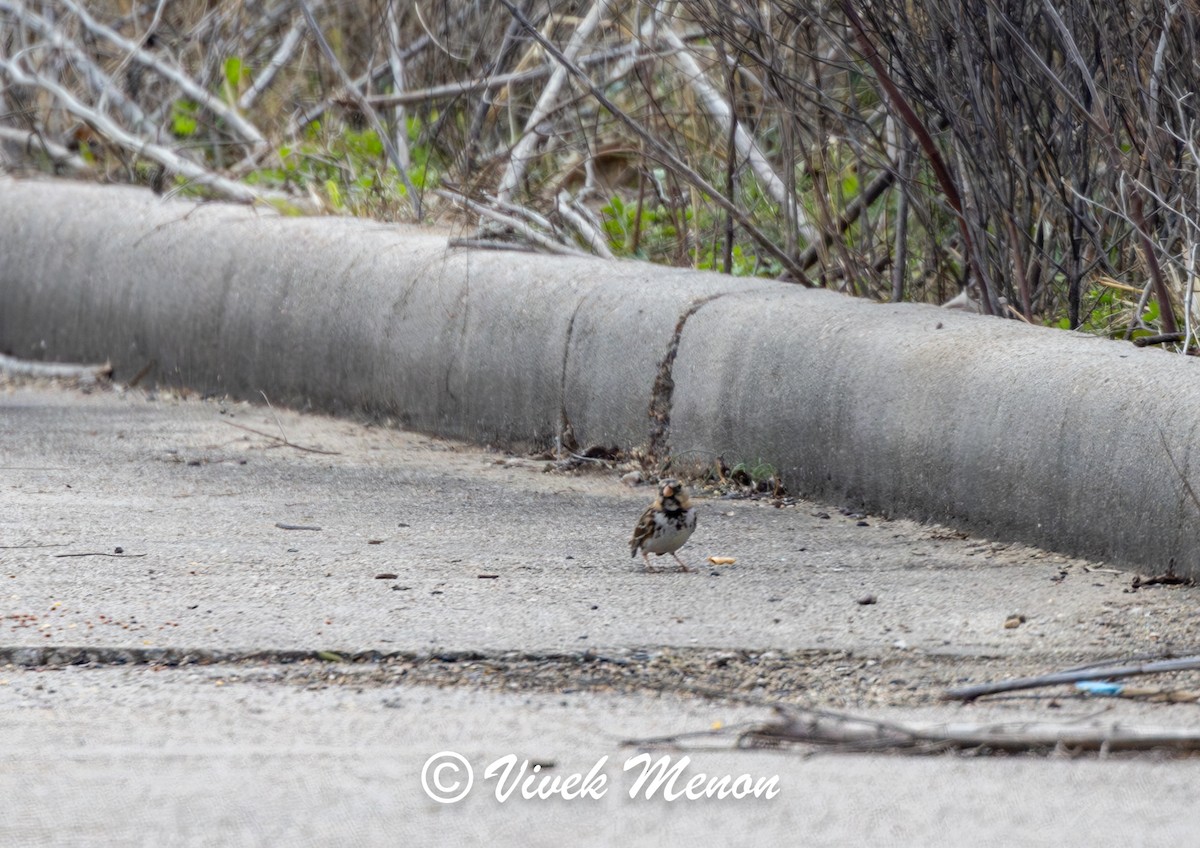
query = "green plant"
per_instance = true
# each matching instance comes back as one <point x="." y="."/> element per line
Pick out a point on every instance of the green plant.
<point x="758" y="471"/>
<point x="183" y="118"/>
<point x="1107" y="310"/>
<point x="349" y="170"/>
<point x="634" y="232"/>
<point x="236" y="75"/>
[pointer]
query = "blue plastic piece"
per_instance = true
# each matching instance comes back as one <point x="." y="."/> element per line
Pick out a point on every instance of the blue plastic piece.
<point x="1100" y="687"/>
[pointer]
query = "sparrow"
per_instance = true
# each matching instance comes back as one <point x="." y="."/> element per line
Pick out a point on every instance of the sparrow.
<point x="665" y="525"/>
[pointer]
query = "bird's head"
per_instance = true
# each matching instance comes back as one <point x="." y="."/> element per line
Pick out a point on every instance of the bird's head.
<point x="672" y="494"/>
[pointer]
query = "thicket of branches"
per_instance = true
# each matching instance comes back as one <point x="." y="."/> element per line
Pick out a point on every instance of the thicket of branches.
<point x="1043" y="152"/>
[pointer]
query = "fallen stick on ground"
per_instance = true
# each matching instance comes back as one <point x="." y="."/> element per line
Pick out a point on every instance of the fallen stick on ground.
<point x="1168" y="579"/>
<point x="281" y="440"/>
<point x="35" y="140"/>
<point x="54" y="370"/>
<point x="970" y="693"/>
<point x="587" y="229"/>
<point x="520" y="227"/>
<point x="860" y="734"/>
<point x="1159" y="338"/>
<point x="488" y="244"/>
<point x="1107" y="689"/>
<point x="846" y="733"/>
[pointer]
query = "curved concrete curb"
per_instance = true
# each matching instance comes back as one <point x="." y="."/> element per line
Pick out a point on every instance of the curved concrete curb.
<point x="1007" y="430"/>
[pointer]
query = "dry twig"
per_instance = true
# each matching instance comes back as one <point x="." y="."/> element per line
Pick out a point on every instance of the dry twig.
<point x="34" y="140"/>
<point x="54" y="370"/>
<point x="970" y="693"/>
<point x="103" y="124"/>
<point x="169" y="71"/>
<point x="853" y="733"/>
<point x="280" y="439"/>
<point x="522" y="152"/>
<point x="519" y="227"/>
<point x="661" y="151"/>
<point x="357" y="96"/>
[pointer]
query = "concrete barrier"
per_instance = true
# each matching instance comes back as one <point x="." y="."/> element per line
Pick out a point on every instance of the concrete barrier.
<point x="1010" y="431"/>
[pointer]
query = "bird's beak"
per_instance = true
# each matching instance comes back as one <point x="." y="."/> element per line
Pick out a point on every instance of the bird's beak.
<point x="668" y="492"/>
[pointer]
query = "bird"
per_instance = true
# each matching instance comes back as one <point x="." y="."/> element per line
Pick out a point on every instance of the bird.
<point x="665" y="525"/>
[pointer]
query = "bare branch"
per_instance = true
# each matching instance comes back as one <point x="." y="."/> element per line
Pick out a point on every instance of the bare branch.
<point x="33" y="140"/>
<point x="230" y="115"/>
<point x="521" y="228"/>
<point x="54" y="370"/>
<point x="860" y="734"/>
<point x="498" y="81"/>
<point x="970" y="693"/>
<point x="357" y="96"/>
<point x="722" y="113"/>
<point x="396" y="64"/>
<point x="280" y="58"/>
<point x="591" y="234"/>
<point x="662" y="152"/>
<point x="101" y="83"/>
<point x="164" y="156"/>
<point x="522" y="152"/>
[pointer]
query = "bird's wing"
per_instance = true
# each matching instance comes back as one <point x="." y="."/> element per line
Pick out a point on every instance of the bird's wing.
<point x="644" y="529"/>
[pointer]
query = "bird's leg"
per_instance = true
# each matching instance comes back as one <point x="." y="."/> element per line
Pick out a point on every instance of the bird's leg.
<point x="682" y="564"/>
<point x="646" y="560"/>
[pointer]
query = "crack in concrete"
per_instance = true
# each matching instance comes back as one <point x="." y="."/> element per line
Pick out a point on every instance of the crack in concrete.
<point x="878" y="677"/>
<point x="658" y="448"/>
<point x="52" y="656"/>
<point x="566" y="433"/>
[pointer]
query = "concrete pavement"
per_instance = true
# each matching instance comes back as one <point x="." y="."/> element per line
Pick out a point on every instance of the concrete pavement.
<point x="193" y="501"/>
<point x="198" y="757"/>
